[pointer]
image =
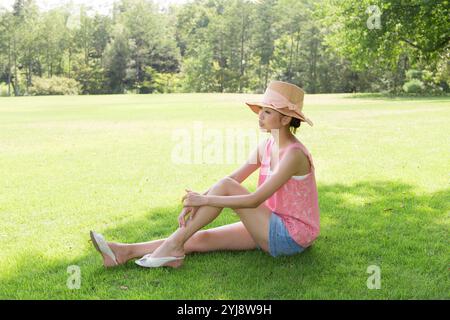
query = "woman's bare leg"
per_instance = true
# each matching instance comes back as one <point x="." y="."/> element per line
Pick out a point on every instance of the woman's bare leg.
<point x="234" y="236"/>
<point x="244" y="235"/>
<point x="255" y="220"/>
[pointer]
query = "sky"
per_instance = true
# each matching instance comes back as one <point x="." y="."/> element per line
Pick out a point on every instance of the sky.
<point x="102" y="6"/>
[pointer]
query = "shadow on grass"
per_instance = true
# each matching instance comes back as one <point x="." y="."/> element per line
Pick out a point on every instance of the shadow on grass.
<point x="368" y="223"/>
<point x="391" y="97"/>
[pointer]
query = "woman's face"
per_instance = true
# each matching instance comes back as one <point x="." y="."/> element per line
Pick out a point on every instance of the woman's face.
<point x="270" y="119"/>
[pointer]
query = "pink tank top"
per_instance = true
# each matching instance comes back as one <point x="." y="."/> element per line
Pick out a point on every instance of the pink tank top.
<point x="296" y="201"/>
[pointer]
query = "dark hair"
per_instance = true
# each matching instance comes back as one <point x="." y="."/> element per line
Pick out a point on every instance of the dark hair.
<point x="295" y="123"/>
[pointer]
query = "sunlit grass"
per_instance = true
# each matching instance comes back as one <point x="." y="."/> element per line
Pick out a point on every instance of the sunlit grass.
<point x="72" y="164"/>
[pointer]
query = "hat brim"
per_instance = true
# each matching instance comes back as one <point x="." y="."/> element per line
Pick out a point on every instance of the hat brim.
<point x="256" y="106"/>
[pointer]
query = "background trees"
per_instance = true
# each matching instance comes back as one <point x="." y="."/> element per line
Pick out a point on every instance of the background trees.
<point x="392" y="35"/>
<point x="228" y="46"/>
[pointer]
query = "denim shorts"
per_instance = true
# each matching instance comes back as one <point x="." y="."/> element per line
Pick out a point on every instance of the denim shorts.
<point x="280" y="242"/>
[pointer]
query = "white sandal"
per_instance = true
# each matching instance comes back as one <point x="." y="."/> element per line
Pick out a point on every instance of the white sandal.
<point x="148" y="262"/>
<point x="100" y="244"/>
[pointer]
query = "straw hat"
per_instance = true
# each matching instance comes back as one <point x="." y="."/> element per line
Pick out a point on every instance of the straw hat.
<point x="283" y="97"/>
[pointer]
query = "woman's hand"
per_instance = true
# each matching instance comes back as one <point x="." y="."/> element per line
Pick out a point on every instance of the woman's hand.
<point x="184" y="213"/>
<point x="194" y="199"/>
<point x="188" y="210"/>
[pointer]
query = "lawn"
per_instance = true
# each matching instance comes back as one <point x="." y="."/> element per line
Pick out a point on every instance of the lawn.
<point x="72" y="164"/>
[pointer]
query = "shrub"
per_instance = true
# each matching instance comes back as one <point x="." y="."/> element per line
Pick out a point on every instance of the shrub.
<point x="54" y="86"/>
<point x="414" y="86"/>
<point x="158" y="82"/>
<point x="3" y="89"/>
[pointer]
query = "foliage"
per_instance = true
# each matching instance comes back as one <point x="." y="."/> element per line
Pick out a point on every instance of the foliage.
<point x="389" y="34"/>
<point x="414" y="86"/>
<point x="3" y="90"/>
<point x="54" y="86"/>
<point x="228" y="45"/>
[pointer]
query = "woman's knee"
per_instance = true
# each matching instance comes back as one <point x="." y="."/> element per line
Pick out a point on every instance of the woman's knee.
<point x="198" y="242"/>
<point x="224" y="185"/>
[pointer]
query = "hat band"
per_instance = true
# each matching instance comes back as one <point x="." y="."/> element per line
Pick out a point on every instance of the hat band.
<point x="272" y="97"/>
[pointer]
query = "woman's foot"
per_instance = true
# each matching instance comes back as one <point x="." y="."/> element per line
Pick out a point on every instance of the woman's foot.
<point x="119" y="251"/>
<point x="170" y="248"/>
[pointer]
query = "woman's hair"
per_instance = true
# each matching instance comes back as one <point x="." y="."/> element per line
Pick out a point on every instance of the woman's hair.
<point x="295" y="123"/>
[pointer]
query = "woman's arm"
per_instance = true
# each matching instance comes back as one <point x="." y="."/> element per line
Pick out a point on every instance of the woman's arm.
<point x="250" y="166"/>
<point x="234" y="202"/>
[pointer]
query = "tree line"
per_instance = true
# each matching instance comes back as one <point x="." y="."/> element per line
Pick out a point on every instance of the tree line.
<point x="324" y="46"/>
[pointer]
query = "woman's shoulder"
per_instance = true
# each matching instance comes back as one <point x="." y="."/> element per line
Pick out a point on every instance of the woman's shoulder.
<point x="298" y="152"/>
<point x="297" y="144"/>
<point x="301" y="157"/>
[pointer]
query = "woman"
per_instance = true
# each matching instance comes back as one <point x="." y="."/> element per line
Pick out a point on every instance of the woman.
<point x="281" y="217"/>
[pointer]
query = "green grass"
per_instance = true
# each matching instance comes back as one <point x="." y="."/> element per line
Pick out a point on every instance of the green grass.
<point x="72" y="164"/>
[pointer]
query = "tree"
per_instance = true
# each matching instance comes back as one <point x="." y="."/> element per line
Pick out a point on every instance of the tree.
<point x="228" y="45"/>
<point x="389" y="33"/>
<point x="264" y="38"/>
<point x="146" y="29"/>
<point x="117" y="55"/>
<point x="6" y="21"/>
